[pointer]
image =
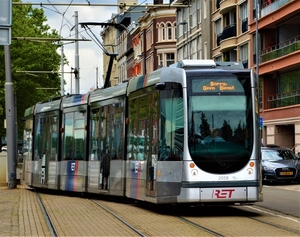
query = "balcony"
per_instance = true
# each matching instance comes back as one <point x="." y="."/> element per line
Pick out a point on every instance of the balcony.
<point x="269" y="8"/>
<point x="227" y="5"/>
<point x="219" y="38"/>
<point x="228" y="38"/>
<point x="281" y="49"/>
<point x="284" y="99"/>
<point x="229" y="31"/>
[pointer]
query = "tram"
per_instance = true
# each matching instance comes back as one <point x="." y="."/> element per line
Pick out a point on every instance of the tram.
<point x="188" y="133"/>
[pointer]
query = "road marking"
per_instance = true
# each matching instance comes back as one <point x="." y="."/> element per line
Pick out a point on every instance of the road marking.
<point x="291" y="188"/>
<point x="285" y="217"/>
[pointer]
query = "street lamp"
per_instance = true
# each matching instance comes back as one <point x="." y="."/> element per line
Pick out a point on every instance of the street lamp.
<point x="187" y="37"/>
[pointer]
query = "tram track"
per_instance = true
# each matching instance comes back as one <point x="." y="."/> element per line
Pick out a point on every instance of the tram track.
<point x="66" y="216"/>
<point x="46" y="215"/>
<point x="120" y="219"/>
<point x="201" y="227"/>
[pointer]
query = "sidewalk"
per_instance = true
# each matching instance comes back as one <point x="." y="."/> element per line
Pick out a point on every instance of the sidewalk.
<point x="20" y="213"/>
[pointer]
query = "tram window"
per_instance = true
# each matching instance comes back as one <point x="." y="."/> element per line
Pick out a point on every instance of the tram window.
<point x="54" y="138"/>
<point x="74" y="136"/>
<point x="117" y="135"/>
<point x="27" y="142"/>
<point x="171" y="121"/>
<point x="46" y="138"/>
<point x="95" y="135"/>
<point x="143" y="123"/>
<point x="38" y="140"/>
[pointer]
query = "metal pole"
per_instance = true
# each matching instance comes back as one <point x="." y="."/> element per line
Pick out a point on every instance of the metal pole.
<point x="62" y="82"/>
<point x="257" y="60"/>
<point x="97" y="78"/>
<point x="256" y="39"/>
<point x="187" y="40"/>
<point x="10" y="122"/>
<point x="76" y="55"/>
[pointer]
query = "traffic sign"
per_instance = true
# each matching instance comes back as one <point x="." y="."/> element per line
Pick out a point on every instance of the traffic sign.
<point x="5" y="12"/>
<point x="5" y="22"/>
<point x="5" y="35"/>
<point x="261" y="122"/>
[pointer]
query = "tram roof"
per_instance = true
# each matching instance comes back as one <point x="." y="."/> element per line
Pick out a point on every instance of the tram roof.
<point x="166" y="74"/>
<point x="207" y="64"/>
<point x="50" y="105"/>
<point x="76" y="99"/>
<point x="107" y="93"/>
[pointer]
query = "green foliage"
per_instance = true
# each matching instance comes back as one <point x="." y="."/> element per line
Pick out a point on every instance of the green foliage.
<point x="30" y="56"/>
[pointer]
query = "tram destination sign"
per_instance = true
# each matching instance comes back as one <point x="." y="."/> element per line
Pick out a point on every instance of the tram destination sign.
<point x="215" y="85"/>
<point x="5" y="22"/>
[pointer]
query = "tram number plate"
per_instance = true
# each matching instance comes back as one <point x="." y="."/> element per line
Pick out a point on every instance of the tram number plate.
<point x="286" y="173"/>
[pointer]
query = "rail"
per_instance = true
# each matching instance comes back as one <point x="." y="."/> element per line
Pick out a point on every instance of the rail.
<point x="271" y="6"/>
<point x="281" y="49"/>
<point x="284" y="99"/>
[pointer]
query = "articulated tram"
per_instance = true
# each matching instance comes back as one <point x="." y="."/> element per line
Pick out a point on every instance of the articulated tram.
<point x="187" y="133"/>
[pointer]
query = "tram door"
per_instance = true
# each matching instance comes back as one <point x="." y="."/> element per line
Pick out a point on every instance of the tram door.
<point x="45" y="150"/>
<point x="153" y="144"/>
<point x="111" y="143"/>
<point x="105" y="148"/>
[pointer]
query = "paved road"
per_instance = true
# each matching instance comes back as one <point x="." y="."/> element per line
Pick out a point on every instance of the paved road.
<point x="282" y="198"/>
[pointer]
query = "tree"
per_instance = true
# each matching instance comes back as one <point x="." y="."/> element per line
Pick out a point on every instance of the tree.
<point x="30" y="56"/>
<point x="204" y="126"/>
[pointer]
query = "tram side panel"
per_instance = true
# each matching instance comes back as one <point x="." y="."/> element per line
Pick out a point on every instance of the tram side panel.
<point x="73" y="174"/>
<point x="155" y="144"/>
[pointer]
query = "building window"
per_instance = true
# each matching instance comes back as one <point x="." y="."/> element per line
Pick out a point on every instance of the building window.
<point x="169" y="27"/>
<point x="204" y="9"/>
<point x="199" y="11"/>
<point x="218" y="32"/>
<point x="160" y="60"/>
<point x="193" y="53"/>
<point x="289" y="81"/>
<point x="205" y="50"/>
<point x="163" y="32"/>
<point x="194" y="14"/>
<point x="149" y="38"/>
<point x="199" y="48"/>
<point x="170" y="59"/>
<point x="179" y="19"/>
<point x="244" y="55"/>
<point x="244" y="17"/>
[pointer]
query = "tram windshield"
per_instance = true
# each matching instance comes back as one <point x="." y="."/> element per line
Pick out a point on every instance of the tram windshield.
<point x="220" y="120"/>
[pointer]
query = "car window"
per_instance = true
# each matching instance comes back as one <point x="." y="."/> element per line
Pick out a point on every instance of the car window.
<point x="274" y="155"/>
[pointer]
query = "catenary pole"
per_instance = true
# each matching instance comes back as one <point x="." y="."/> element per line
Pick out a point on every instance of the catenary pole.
<point x="76" y="55"/>
<point x="62" y="80"/>
<point x="10" y="122"/>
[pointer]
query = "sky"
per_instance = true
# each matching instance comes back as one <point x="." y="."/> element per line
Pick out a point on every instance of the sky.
<point x="62" y="19"/>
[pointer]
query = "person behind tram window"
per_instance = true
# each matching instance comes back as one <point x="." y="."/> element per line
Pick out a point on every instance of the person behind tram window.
<point x="213" y="137"/>
<point x="106" y="166"/>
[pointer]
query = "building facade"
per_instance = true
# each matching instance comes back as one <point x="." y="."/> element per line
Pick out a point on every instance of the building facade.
<point x="230" y="34"/>
<point x="262" y="34"/>
<point x="157" y="38"/>
<point x="193" y="29"/>
<point x="278" y="27"/>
